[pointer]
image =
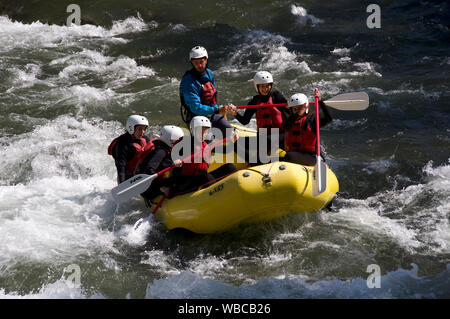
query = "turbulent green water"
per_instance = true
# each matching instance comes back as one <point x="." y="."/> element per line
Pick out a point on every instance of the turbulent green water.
<point x="65" y="92"/>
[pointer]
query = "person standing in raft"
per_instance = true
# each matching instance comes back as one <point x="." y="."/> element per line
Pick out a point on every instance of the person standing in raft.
<point x="130" y="148"/>
<point x="266" y="117"/>
<point x="198" y="93"/>
<point x="160" y="158"/>
<point x="300" y="130"/>
<point x="194" y="172"/>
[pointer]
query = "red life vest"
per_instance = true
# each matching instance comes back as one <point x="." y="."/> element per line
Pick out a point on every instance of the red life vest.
<point x="199" y="163"/>
<point x="143" y="148"/>
<point x="208" y="94"/>
<point x="300" y="137"/>
<point x="269" y="117"/>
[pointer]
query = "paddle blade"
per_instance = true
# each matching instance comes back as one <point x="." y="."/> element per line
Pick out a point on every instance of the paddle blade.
<point x="132" y="187"/>
<point x="141" y="222"/>
<point x="319" y="177"/>
<point x="356" y="101"/>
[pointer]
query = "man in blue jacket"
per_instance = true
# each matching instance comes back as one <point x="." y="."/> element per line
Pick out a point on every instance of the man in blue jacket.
<point x="198" y="93"/>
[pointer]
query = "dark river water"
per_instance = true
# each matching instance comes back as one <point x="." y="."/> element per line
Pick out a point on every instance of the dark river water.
<point x="65" y="93"/>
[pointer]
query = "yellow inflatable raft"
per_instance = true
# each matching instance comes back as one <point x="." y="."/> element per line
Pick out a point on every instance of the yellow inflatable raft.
<point x="252" y="194"/>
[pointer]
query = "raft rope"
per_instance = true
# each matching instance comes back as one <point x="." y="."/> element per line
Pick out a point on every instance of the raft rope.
<point x="263" y="174"/>
<point x="266" y="176"/>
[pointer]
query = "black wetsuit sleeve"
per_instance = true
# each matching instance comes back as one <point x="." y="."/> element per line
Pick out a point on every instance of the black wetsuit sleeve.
<point x="122" y="155"/>
<point x="289" y="121"/>
<point x="324" y="118"/>
<point x="248" y="114"/>
<point x="279" y="98"/>
<point x="155" y="161"/>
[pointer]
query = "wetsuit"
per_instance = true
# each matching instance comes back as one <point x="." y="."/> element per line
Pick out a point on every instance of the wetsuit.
<point x="126" y="155"/>
<point x="276" y="98"/>
<point x="157" y="160"/>
<point x="194" y="172"/>
<point x="300" y="136"/>
<point x="264" y="121"/>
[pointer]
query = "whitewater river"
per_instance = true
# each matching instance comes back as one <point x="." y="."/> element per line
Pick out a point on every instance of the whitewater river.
<point x="65" y="93"/>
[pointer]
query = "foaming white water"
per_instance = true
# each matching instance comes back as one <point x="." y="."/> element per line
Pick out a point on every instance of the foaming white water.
<point x="85" y="77"/>
<point x="24" y="77"/>
<point x="117" y="71"/>
<point x="113" y="72"/>
<point x="341" y="51"/>
<point x="136" y="236"/>
<point x="55" y="201"/>
<point x="62" y="147"/>
<point x="360" y="215"/>
<point x="303" y="18"/>
<point x="273" y="54"/>
<point x="362" y="69"/>
<point x="404" y="90"/>
<point x="41" y="35"/>
<point x="421" y="211"/>
<point x="400" y="283"/>
<point x="68" y="87"/>
<point x="179" y="28"/>
<point x="61" y="289"/>
<point x="262" y="50"/>
<point x="84" y="94"/>
<point x="281" y="59"/>
<point x="160" y="262"/>
<point x="328" y="87"/>
<point x="53" y="219"/>
<point x="439" y="182"/>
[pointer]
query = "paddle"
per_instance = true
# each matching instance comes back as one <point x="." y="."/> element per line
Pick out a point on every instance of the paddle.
<point x="146" y="219"/>
<point x="320" y="170"/>
<point x="140" y="183"/>
<point x="356" y="101"/>
<point x="143" y="220"/>
<point x="135" y="185"/>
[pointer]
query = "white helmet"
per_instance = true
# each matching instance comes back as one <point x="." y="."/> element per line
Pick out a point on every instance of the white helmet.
<point x="198" y="52"/>
<point x="199" y="121"/>
<point x="297" y="99"/>
<point x="170" y="134"/>
<point x="134" y="120"/>
<point x="262" y="77"/>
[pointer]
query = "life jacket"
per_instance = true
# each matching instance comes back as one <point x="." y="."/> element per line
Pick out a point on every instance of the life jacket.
<point x="269" y="117"/>
<point x="143" y="148"/>
<point x="208" y="95"/>
<point x="199" y="163"/>
<point x="300" y="137"/>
